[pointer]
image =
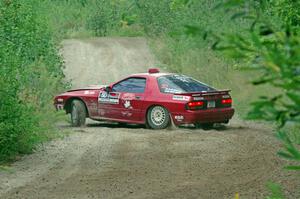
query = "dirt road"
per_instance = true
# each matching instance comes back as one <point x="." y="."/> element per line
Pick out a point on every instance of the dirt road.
<point x="105" y="60"/>
<point x="110" y="161"/>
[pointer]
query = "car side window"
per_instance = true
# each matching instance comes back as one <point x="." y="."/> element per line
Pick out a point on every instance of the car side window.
<point x="130" y="85"/>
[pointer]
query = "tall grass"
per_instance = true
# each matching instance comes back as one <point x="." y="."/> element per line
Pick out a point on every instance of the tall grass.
<point x="75" y="19"/>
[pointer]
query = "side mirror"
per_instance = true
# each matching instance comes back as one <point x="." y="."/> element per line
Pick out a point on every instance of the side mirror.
<point x="108" y="89"/>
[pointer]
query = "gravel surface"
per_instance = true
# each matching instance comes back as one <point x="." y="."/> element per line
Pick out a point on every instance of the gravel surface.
<point x="105" y="160"/>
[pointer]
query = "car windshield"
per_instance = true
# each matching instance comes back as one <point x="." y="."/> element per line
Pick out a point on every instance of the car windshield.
<point x="181" y="84"/>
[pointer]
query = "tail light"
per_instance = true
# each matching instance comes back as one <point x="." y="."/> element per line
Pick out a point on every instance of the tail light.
<point x="226" y="102"/>
<point x="195" y="105"/>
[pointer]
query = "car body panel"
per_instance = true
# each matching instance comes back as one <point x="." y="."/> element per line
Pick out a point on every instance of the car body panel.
<point x="132" y="107"/>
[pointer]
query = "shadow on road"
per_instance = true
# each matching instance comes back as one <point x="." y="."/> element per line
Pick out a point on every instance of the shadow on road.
<point x="116" y="125"/>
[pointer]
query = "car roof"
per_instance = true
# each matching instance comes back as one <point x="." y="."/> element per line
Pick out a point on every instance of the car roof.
<point x="149" y="74"/>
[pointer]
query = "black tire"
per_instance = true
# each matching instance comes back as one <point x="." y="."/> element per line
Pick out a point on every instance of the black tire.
<point x="197" y="125"/>
<point x="205" y="126"/>
<point x="158" y="117"/>
<point x="78" y="113"/>
<point x="122" y="124"/>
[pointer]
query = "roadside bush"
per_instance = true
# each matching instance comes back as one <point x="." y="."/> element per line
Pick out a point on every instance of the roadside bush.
<point x="156" y="16"/>
<point x="31" y="72"/>
<point x="104" y="18"/>
<point x="67" y="18"/>
<point x="110" y="18"/>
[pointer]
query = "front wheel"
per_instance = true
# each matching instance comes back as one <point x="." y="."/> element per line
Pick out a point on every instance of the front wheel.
<point x="78" y="113"/>
<point x="158" y="117"/>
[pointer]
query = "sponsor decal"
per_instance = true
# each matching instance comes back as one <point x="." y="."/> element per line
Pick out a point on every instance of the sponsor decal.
<point x="182" y="78"/>
<point x="89" y="92"/>
<point x="103" y="94"/>
<point x="127" y="113"/>
<point x="198" y="98"/>
<point x="181" y="98"/>
<point x="179" y="117"/>
<point x="225" y="96"/>
<point x="126" y="100"/>
<point x="109" y="98"/>
<point x="171" y="90"/>
<point x="164" y="86"/>
<point x="127" y="104"/>
<point x="128" y="96"/>
<point x="102" y="112"/>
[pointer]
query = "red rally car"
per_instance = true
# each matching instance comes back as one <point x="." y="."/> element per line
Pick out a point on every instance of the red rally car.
<point x="155" y="99"/>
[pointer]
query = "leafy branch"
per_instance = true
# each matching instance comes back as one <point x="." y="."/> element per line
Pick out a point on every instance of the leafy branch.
<point x="271" y="45"/>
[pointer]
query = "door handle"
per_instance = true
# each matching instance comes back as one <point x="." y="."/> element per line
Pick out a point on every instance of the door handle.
<point x="138" y="97"/>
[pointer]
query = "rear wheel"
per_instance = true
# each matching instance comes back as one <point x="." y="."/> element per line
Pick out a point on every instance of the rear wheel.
<point x="78" y="113"/>
<point x="205" y="126"/>
<point x="158" y="117"/>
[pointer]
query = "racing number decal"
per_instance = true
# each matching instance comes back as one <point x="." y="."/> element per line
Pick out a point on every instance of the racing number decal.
<point x="108" y="98"/>
<point x="103" y="94"/>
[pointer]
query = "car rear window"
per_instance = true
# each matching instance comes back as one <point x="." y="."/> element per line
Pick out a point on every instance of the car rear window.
<point x="181" y="84"/>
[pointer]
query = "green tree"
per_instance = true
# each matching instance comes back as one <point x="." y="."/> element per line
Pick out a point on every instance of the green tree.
<point x="29" y="60"/>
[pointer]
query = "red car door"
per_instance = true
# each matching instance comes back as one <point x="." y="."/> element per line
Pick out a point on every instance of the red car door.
<point x="124" y="102"/>
<point x="109" y="105"/>
<point x="131" y="105"/>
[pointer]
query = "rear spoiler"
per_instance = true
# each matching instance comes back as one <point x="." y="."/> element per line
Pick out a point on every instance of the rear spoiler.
<point x="206" y="93"/>
<point x="220" y="92"/>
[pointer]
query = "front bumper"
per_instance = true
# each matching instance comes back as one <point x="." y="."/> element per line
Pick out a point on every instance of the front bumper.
<point x="218" y="115"/>
<point x="59" y="106"/>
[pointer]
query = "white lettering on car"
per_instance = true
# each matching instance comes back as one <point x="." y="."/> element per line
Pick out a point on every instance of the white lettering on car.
<point x="128" y="96"/>
<point x="181" y="98"/>
<point x="182" y="78"/>
<point x="126" y="113"/>
<point x="179" y="117"/>
<point x="109" y="98"/>
<point x="171" y="90"/>
<point x="198" y="98"/>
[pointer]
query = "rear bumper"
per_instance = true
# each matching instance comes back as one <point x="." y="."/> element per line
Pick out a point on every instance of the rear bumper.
<point x="221" y="115"/>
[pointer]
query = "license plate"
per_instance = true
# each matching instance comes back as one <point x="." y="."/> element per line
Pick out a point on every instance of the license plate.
<point x="211" y="104"/>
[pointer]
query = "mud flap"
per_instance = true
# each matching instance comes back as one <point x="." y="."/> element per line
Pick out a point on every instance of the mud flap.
<point x="172" y="125"/>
